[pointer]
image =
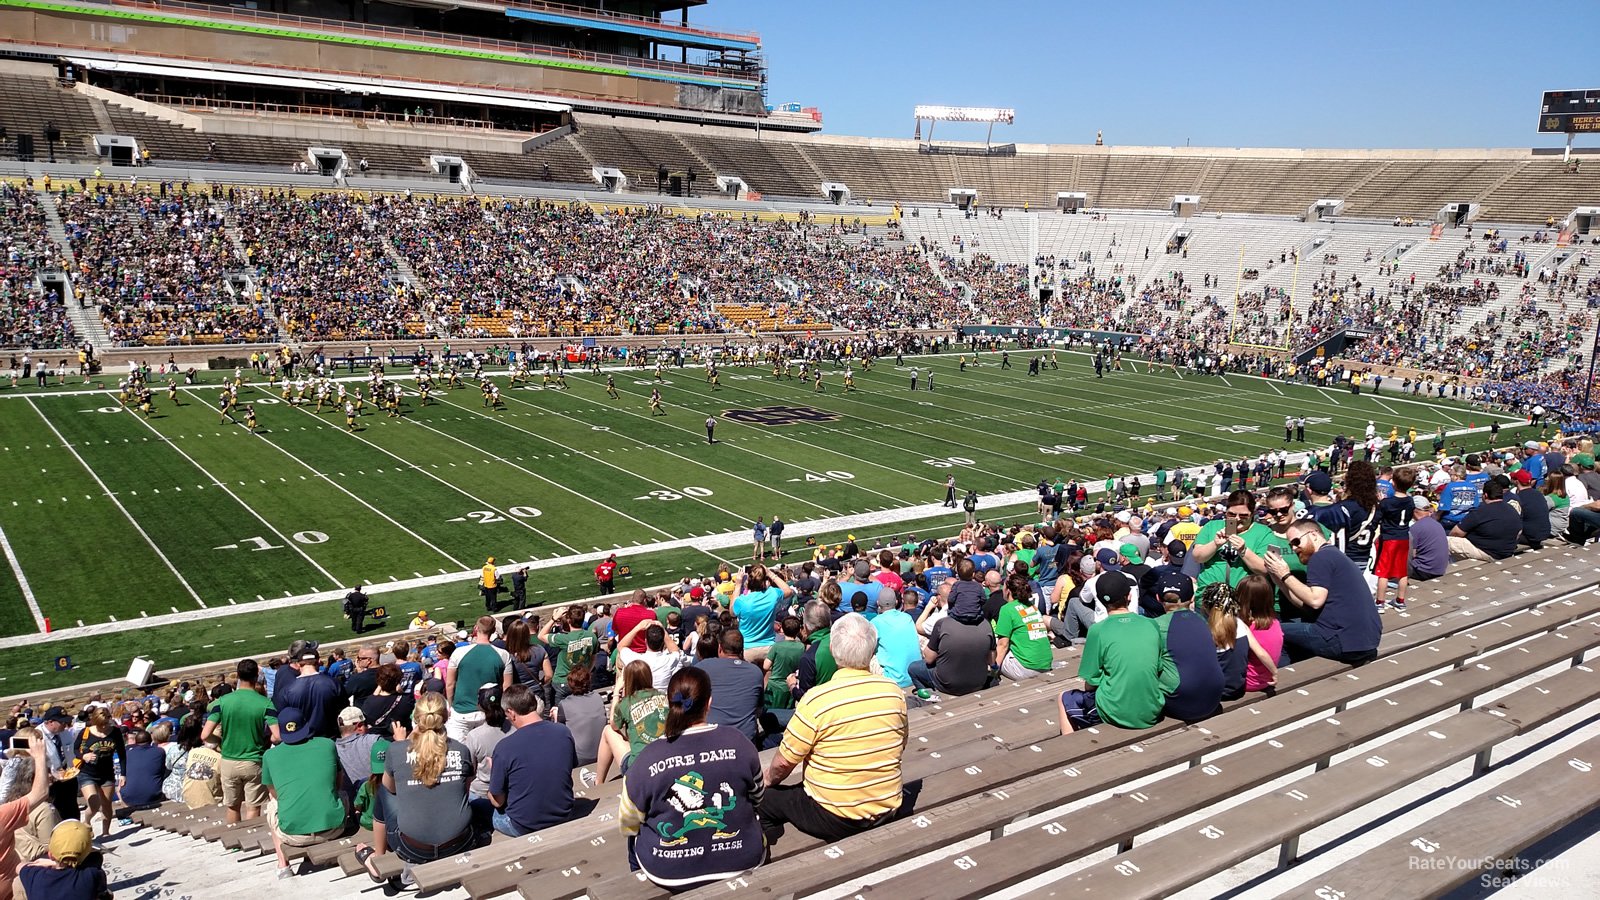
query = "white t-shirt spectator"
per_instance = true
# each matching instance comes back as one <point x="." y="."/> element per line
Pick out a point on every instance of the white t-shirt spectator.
<point x="662" y="664"/>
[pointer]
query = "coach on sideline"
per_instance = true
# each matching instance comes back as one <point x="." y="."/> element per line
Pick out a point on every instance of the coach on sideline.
<point x="849" y="733"/>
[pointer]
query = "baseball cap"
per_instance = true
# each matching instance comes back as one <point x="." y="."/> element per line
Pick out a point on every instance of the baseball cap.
<point x="55" y="714"/>
<point x="302" y="650"/>
<point x="1583" y="460"/>
<point x="697" y="593"/>
<point x="1319" y="482"/>
<point x="71" y="842"/>
<point x="1178" y="550"/>
<point x="1530" y="445"/>
<point x="489" y="694"/>
<point x="292" y="725"/>
<point x="1521" y="476"/>
<point x="351" y="716"/>
<point x="1112" y="588"/>
<point x="1175" y="583"/>
<point x="1109" y="559"/>
<point x="862" y="569"/>
<point x="1421" y="502"/>
<point x="433" y="686"/>
<point x="1131" y="553"/>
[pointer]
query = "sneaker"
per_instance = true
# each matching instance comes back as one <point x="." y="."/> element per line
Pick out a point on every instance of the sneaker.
<point x="1382" y="609"/>
<point x="1398" y="604"/>
<point x="285" y="872"/>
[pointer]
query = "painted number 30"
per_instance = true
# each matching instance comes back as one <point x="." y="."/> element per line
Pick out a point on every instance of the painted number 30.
<point x="676" y="495"/>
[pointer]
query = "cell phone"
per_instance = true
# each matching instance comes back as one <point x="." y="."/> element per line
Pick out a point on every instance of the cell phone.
<point x="18" y="742"/>
<point x="1274" y="551"/>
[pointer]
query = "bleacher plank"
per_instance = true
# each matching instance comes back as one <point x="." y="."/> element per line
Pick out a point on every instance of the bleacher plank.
<point x="1161" y="867"/>
<point x="1117" y="820"/>
<point x="1521" y="812"/>
<point x="1023" y="791"/>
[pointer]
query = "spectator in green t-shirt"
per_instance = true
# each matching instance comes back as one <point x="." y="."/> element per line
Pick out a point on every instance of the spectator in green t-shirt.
<point x="1022" y="632"/>
<point x="639" y="717"/>
<point x="570" y="644"/>
<point x="248" y="724"/>
<point x="302" y="780"/>
<point x="782" y="659"/>
<point x="1228" y="551"/>
<point x="472" y="667"/>
<point x="1126" y="671"/>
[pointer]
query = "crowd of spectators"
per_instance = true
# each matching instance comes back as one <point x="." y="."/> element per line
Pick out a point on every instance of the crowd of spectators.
<point x="30" y="317"/>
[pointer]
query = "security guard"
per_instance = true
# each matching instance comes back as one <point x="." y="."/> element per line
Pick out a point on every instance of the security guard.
<point x="355" y="608"/>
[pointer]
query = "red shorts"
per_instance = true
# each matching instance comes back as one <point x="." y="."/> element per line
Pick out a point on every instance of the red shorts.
<point x="1393" y="559"/>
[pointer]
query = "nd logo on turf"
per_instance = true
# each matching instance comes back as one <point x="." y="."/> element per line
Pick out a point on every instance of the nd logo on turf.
<point x="772" y="416"/>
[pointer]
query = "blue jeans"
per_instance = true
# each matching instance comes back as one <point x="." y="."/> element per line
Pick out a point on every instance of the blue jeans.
<point x="921" y="675"/>
<point x="503" y="824"/>
<point x="1303" y="640"/>
<point x="1582" y="523"/>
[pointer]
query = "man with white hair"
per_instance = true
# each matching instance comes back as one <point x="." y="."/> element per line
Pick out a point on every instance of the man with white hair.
<point x="849" y="733"/>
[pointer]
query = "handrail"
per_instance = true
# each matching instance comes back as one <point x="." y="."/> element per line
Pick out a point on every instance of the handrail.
<point x="581" y="12"/>
<point x="303" y="71"/>
<point x="300" y="109"/>
<point x="418" y="34"/>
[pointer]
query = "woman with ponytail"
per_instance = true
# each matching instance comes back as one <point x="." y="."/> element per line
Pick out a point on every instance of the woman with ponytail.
<point x="428" y="776"/>
<point x="689" y="798"/>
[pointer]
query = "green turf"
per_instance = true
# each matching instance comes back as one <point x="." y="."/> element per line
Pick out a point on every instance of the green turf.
<point x="306" y="505"/>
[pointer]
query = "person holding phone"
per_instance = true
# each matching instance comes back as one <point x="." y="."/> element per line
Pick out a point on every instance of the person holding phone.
<point x="15" y="813"/>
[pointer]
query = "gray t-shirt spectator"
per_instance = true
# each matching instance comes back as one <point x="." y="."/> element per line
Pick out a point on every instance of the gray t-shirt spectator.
<point x="435" y="815"/>
<point x="481" y="741"/>
<point x="585" y="714"/>
<point x="963" y="655"/>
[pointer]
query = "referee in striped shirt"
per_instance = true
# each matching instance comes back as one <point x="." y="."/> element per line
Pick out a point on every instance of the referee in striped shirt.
<point x="849" y="733"/>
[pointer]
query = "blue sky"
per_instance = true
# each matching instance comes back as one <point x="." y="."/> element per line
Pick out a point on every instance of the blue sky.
<point x="1350" y="73"/>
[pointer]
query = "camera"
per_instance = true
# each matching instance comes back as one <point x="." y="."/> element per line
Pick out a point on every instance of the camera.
<point x="1229" y="553"/>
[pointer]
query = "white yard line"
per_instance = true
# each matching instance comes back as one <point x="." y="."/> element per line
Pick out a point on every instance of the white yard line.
<point x="341" y="488"/>
<point x="546" y="479"/>
<point x="22" y="580"/>
<point x="707" y="544"/>
<point x="411" y="465"/>
<point x="293" y="545"/>
<point x="113" y="497"/>
<point x="659" y="449"/>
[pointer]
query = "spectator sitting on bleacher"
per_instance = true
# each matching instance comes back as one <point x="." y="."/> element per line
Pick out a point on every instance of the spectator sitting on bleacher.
<point x="1531" y="505"/>
<point x="301" y="775"/>
<point x="1489" y="532"/>
<point x="689" y="801"/>
<point x="1186" y="637"/>
<point x="736" y="683"/>
<point x="530" y="782"/>
<point x="849" y="734"/>
<point x="1126" y="671"/>
<point x="898" y="646"/>
<point x="960" y="653"/>
<point x="142" y="772"/>
<point x="73" y="870"/>
<point x="202" y="774"/>
<point x="1583" y="510"/>
<point x="584" y="712"/>
<point x="1430" y="546"/>
<point x="426" y="777"/>
<point x="637" y="719"/>
<point x="1022" y="633"/>
<point x="1343" y="620"/>
<point x="354" y="747"/>
<point x="816" y="624"/>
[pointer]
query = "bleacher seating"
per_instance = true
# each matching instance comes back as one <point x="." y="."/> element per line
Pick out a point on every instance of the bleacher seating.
<point x="980" y="763"/>
<point x="29" y="317"/>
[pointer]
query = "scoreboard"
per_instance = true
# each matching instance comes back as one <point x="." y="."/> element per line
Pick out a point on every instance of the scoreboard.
<point x="1570" y="112"/>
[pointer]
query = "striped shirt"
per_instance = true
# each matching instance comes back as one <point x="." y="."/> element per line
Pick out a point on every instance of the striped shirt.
<point x="850" y="734"/>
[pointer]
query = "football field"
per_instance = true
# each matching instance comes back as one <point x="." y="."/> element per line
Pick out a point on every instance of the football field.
<point x="188" y="538"/>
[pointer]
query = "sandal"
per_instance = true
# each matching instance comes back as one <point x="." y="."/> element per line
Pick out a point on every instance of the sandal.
<point x="364" y="855"/>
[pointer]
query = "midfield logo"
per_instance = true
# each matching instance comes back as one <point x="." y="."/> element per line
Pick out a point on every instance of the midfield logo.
<point x="772" y="416"/>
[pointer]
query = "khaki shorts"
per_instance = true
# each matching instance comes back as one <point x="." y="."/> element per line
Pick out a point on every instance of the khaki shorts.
<point x="241" y="784"/>
<point x="756" y="655"/>
<point x="270" y="813"/>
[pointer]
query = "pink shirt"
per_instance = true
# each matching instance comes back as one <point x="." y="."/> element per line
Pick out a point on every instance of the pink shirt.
<point x="12" y="817"/>
<point x="1271" y="640"/>
<point x="889" y="579"/>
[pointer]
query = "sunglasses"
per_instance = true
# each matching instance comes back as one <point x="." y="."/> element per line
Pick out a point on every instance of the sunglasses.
<point x="1280" y="510"/>
<point x="1237" y="515"/>
<point x="1295" y="542"/>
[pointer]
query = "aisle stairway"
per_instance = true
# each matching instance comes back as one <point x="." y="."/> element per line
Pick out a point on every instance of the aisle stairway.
<point x="84" y="319"/>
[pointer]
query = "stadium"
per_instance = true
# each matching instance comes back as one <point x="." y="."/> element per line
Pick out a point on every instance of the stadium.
<point x="359" y="354"/>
